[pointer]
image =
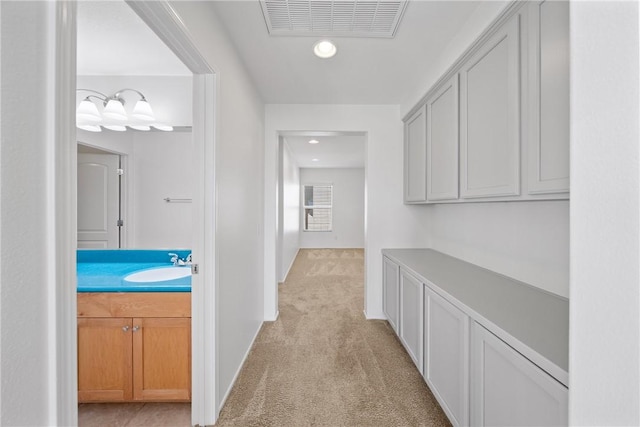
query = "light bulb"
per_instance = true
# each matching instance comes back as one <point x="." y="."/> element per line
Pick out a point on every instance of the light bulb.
<point x="87" y="112"/>
<point x="117" y="128"/>
<point x="140" y="127"/>
<point x="90" y="128"/>
<point x="143" y="111"/>
<point x="163" y="127"/>
<point x="114" y="110"/>
<point x="324" y="49"/>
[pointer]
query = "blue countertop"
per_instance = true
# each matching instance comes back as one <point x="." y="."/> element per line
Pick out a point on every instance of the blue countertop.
<point x="105" y="270"/>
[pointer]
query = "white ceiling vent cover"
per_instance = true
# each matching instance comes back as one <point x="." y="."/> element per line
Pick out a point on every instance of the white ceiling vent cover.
<point x="345" y="18"/>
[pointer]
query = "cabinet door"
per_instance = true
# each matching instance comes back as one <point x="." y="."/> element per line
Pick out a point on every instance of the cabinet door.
<point x="548" y="161"/>
<point x="442" y="143"/>
<point x="411" y="316"/>
<point x="162" y="359"/>
<point x="104" y="359"/>
<point x="415" y="157"/>
<point x="391" y="274"/>
<point x="508" y="390"/>
<point x="446" y="356"/>
<point x="490" y="116"/>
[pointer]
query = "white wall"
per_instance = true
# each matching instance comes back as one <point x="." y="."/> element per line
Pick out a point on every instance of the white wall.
<point x="348" y="208"/>
<point x="528" y="241"/>
<point x="27" y="355"/>
<point x="163" y="167"/>
<point x="289" y="214"/>
<point x="605" y="293"/>
<point x="169" y="96"/>
<point x="389" y="223"/>
<point x="239" y="184"/>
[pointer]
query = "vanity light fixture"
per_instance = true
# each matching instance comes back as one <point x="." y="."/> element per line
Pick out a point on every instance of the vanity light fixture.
<point x="314" y="141"/>
<point x="324" y="49"/>
<point x="114" y="116"/>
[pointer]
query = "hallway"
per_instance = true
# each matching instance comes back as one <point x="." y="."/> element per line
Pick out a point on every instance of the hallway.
<point x="321" y="363"/>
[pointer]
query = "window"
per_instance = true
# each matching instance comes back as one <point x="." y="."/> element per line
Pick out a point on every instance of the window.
<point x="318" y="200"/>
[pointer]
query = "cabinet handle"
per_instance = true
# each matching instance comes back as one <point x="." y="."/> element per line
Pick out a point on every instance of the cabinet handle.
<point x="136" y="328"/>
<point x="125" y="328"/>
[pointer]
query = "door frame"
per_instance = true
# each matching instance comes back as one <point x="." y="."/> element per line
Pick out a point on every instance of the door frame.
<point x="62" y="380"/>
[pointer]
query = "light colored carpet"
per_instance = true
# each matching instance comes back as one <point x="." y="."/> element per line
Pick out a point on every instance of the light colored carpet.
<point x="322" y="364"/>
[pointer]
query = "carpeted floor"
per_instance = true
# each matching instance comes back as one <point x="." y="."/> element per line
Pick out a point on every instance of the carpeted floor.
<point x="322" y="364"/>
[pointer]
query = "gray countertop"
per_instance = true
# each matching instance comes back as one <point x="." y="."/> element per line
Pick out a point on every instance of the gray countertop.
<point x="533" y="321"/>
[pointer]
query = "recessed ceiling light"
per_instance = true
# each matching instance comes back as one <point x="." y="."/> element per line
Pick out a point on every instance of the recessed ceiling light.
<point x="315" y="160"/>
<point x="324" y="49"/>
<point x="314" y="141"/>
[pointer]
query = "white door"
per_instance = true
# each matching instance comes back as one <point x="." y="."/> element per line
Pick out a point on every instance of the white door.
<point x="98" y="201"/>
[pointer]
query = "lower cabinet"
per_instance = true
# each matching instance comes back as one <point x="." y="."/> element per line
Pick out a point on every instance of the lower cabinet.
<point x="411" y="315"/>
<point x="509" y="390"/>
<point x="391" y="291"/>
<point x="146" y="359"/>
<point x="446" y="356"/>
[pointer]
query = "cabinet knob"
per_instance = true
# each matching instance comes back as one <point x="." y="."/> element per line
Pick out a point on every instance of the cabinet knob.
<point x="136" y="328"/>
<point x="125" y="328"/>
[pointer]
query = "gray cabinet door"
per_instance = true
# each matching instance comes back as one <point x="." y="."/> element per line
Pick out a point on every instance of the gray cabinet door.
<point x="548" y="156"/>
<point x="442" y="142"/>
<point x="446" y="356"/>
<point x="411" y="316"/>
<point x="509" y="390"/>
<point x="390" y="283"/>
<point x="490" y="116"/>
<point x="415" y="157"/>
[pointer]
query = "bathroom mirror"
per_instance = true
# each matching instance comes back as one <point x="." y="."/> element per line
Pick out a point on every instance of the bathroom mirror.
<point x="134" y="189"/>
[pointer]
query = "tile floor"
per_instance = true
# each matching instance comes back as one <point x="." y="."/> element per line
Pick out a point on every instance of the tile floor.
<point x="134" y="414"/>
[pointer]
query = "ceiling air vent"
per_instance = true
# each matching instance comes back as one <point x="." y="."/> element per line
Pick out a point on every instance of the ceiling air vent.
<point x="342" y="18"/>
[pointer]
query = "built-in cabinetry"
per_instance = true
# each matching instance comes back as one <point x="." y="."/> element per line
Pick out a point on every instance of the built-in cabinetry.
<point x="442" y="142"/>
<point x="497" y="122"/>
<point x="509" y="390"/>
<point x="446" y="355"/>
<point x="411" y="316"/>
<point x="391" y="301"/>
<point x="415" y="156"/>
<point x="548" y="118"/>
<point x="494" y="351"/>
<point x="134" y="347"/>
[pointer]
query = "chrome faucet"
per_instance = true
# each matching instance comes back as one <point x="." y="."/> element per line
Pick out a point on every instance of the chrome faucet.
<point x="179" y="262"/>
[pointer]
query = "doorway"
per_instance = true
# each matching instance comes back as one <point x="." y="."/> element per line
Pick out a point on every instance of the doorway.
<point x="99" y="199"/>
<point x="163" y="20"/>
<point x="321" y="193"/>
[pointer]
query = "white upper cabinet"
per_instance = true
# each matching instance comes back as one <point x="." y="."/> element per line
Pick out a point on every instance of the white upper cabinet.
<point x="415" y="157"/>
<point x="548" y="161"/>
<point x="490" y="116"/>
<point x="442" y="142"/>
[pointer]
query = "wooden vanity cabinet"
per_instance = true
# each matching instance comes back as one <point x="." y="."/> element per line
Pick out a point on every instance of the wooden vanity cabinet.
<point x="134" y="347"/>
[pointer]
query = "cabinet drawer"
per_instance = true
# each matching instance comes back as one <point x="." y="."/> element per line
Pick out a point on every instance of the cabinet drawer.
<point x="134" y="304"/>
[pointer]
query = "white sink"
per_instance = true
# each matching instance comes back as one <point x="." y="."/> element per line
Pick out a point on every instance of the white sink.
<point x="159" y="274"/>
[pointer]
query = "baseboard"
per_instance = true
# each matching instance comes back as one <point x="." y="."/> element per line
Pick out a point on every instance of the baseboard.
<point x="374" y="315"/>
<point x="274" y="319"/>
<point x="235" y="377"/>
<point x="290" y="265"/>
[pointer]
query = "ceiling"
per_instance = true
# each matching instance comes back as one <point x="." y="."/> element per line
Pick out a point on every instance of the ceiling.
<point x="334" y="151"/>
<point x="364" y="71"/>
<point x="114" y="41"/>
